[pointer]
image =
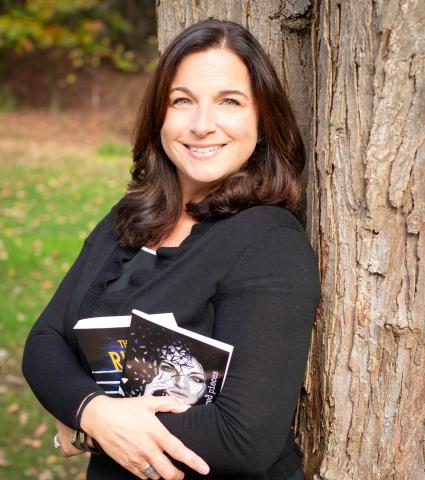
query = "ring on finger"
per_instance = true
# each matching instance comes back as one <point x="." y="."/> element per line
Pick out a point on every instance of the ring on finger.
<point x="149" y="471"/>
<point x="56" y="442"/>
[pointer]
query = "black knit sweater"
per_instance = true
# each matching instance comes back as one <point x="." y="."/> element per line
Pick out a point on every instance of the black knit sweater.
<point x="250" y="280"/>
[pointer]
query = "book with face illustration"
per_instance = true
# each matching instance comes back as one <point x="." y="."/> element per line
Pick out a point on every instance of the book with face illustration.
<point x="162" y="360"/>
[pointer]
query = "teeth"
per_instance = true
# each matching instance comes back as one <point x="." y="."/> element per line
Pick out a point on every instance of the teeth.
<point x="204" y="150"/>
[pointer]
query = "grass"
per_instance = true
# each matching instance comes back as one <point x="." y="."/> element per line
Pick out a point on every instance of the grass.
<point x="46" y="210"/>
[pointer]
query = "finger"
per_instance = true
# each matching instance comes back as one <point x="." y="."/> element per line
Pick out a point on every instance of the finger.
<point x="157" y="460"/>
<point x="136" y="471"/>
<point x="167" y="404"/>
<point x="163" y="466"/>
<point x="133" y="464"/>
<point x="178" y="450"/>
<point x="147" y="465"/>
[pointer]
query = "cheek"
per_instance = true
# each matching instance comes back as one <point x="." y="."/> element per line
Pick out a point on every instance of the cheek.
<point x="243" y="127"/>
<point x="163" y="376"/>
<point x="196" y="387"/>
<point x="174" y="123"/>
<point x="250" y="127"/>
<point x="169" y="129"/>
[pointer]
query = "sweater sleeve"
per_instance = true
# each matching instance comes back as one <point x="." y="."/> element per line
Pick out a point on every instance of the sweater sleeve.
<point x="50" y="363"/>
<point x="265" y="307"/>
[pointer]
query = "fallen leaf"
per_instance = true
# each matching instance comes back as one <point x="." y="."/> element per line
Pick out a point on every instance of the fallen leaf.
<point x="12" y="408"/>
<point x="30" y="472"/>
<point x="60" y="471"/>
<point x="65" y="266"/>
<point x="40" y="430"/>
<point x="45" y="475"/>
<point x="23" y="417"/>
<point x="17" y="289"/>
<point x="11" y="272"/>
<point x="14" y="379"/>
<point x="52" y="459"/>
<point x="4" y="355"/>
<point x="3" y="461"/>
<point x="12" y="362"/>
<point x="32" y="442"/>
<point x="47" y="284"/>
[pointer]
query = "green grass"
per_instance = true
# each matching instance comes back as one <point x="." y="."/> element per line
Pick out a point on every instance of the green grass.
<point x="45" y="213"/>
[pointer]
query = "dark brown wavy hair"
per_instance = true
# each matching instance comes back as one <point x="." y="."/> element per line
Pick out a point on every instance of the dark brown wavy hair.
<point x="271" y="176"/>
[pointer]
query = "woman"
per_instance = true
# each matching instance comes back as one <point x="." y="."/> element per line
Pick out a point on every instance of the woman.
<point x="217" y="172"/>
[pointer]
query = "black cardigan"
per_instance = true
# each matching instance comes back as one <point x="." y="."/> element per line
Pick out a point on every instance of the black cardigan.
<point x="250" y="280"/>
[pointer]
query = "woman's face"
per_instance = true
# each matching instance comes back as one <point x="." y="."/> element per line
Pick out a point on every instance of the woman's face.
<point x="210" y="127"/>
<point x="184" y="380"/>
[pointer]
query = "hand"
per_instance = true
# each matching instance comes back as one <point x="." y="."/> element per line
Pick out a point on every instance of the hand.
<point x="153" y="387"/>
<point x="65" y="434"/>
<point x="129" y="432"/>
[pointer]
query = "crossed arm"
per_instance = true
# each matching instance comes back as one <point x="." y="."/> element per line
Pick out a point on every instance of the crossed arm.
<point x="265" y="308"/>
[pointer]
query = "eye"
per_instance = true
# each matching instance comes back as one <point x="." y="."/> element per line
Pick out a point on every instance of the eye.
<point x="166" y="368"/>
<point x="197" y="379"/>
<point x="181" y="101"/>
<point x="230" y="101"/>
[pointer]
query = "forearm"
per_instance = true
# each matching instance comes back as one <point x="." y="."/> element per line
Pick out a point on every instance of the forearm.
<point x="227" y="446"/>
<point x="245" y="431"/>
<point x="50" y="364"/>
<point x="56" y="376"/>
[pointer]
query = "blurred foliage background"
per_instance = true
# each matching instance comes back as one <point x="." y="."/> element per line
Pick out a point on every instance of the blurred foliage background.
<point x="72" y="73"/>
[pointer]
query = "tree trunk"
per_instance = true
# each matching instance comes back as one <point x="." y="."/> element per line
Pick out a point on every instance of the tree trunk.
<point x="355" y="78"/>
<point x="363" y="412"/>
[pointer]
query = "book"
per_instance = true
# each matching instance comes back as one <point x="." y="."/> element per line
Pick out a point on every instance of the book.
<point x="162" y="360"/>
<point x="103" y="341"/>
<point x="142" y="354"/>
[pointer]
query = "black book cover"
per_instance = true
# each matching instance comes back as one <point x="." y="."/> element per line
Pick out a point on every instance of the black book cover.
<point x="169" y="360"/>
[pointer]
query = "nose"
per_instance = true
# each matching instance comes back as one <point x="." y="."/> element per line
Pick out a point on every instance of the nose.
<point x="180" y="381"/>
<point x="203" y="121"/>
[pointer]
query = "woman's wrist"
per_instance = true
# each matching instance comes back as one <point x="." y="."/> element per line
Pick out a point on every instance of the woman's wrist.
<point x="88" y="398"/>
<point x="88" y="415"/>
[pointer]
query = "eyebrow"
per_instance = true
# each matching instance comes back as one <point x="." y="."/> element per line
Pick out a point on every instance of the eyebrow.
<point x="221" y="92"/>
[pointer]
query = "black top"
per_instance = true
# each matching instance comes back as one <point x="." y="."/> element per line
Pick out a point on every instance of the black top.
<point x="143" y="259"/>
<point x="250" y="280"/>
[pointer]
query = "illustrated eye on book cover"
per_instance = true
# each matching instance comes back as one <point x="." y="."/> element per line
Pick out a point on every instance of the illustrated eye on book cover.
<point x="146" y="354"/>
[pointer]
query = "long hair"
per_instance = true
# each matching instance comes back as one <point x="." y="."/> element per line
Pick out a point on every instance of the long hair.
<point x="272" y="175"/>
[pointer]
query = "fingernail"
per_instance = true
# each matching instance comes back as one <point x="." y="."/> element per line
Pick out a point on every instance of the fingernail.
<point x="204" y="469"/>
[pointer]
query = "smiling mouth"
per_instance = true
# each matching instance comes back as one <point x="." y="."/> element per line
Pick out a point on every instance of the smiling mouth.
<point x="204" y="152"/>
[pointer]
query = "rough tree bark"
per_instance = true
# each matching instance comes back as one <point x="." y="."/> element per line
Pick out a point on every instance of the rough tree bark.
<point x="354" y="72"/>
<point x="366" y="375"/>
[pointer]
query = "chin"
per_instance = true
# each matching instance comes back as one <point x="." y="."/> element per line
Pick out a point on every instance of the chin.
<point x="209" y="180"/>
